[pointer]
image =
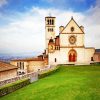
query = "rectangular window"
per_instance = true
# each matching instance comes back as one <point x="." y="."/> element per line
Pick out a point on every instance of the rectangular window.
<point x="92" y="59"/>
<point x="55" y="60"/>
<point x="20" y="65"/>
<point x="17" y="64"/>
<point x="23" y="65"/>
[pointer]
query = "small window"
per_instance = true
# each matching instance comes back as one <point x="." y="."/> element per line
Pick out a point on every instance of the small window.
<point x="57" y="48"/>
<point x="72" y="29"/>
<point x="48" y="22"/>
<point x="55" y="60"/>
<point x="48" y="30"/>
<point x="23" y="65"/>
<point x="23" y="72"/>
<point x="52" y="29"/>
<point x="20" y="65"/>
<point x="52" y="22"/>
<point x="17" y="64"/>
<point x="92" y="59"/>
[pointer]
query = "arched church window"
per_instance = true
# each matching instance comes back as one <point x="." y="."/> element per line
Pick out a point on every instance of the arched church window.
<point x="52" y="22"/>
<point x="48" y="21"/>
<point x="50" y="29"/>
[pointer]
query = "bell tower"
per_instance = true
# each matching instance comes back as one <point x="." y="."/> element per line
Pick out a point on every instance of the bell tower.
<point x="49" y="30"/>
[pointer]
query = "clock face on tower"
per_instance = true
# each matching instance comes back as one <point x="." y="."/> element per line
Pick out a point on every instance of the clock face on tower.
<point x="51" y="48"/>
<point x="72" y="39"/>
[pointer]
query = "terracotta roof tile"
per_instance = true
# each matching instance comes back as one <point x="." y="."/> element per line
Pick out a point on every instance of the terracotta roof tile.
<point x="28" y="59"/>
<point x="6" y="66"/>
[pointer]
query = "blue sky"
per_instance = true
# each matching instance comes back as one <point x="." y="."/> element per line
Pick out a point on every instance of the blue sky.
<point x="22" y="22"/>
<point x="24" y="5"/>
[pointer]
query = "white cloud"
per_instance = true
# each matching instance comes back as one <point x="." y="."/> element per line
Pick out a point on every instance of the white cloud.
<point x="3" y="2"/>
<point x="27" y="33"/>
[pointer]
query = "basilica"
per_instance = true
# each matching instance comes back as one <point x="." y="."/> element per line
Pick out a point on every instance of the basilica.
<point x="66" y="48"/>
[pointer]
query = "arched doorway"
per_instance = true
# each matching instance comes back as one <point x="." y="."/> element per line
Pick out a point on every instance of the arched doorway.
<point x="72" y="55"/>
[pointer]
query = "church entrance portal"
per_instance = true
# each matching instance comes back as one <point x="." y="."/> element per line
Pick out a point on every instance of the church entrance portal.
<point x="72" y="55"/>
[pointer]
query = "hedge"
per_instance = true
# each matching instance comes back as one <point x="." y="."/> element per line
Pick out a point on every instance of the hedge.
<point x="42" y="75"/>
<point x="13" y="87"/>
<point x="21" y="83"/>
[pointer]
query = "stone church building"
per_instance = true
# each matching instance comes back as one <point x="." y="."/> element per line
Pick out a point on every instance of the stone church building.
<point x="66" y="48"/>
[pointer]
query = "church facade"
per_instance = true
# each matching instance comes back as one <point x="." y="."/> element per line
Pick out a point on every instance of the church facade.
<point x="68" y="47"/>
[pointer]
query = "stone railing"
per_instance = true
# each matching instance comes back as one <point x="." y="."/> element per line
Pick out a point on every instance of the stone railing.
<point x="32" y="76"/>
<point x="11" y="80"/>
<point x="46" y="69"/>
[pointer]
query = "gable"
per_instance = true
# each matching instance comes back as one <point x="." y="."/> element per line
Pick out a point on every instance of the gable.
<point x="71" y="24"/>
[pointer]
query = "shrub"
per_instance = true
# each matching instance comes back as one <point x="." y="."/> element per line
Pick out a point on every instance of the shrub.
<point x="13" y="86"/>
<point x="42" y="75"/>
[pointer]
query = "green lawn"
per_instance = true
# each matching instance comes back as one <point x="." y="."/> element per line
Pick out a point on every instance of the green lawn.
<point x="68" y="83"/>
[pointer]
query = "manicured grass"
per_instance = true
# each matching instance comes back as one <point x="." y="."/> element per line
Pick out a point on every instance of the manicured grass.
<point x="68" y="83"/>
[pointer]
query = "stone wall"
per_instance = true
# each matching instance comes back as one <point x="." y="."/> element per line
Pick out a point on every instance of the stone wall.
<point x="32" y="76"/>
<point x="64" y="40"/>
<point x="62" y="57"/>
<point x="34" y="66"/>
<point x="31" y="66"/>
<point x="89" y="52"/>
<point x="96" y="57"/>
<point x="8" y="74"/>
